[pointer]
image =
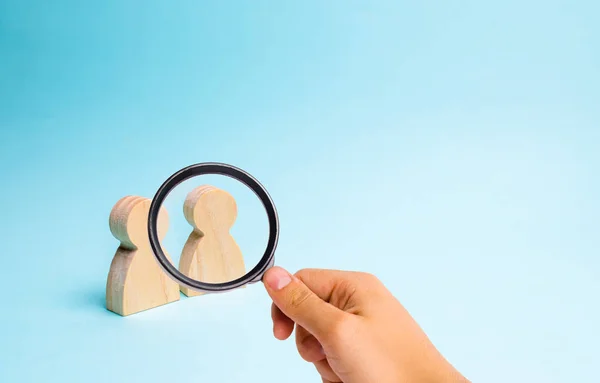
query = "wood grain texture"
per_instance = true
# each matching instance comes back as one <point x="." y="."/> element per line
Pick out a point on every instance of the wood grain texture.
<point x="135" y="280"/>
<point x="210" y="254"/>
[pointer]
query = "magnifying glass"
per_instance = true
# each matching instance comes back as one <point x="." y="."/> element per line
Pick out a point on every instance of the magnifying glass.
<point x="252" y="276"/>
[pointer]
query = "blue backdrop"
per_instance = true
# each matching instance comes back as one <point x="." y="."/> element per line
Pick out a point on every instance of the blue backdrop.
<point x="451" y="148"/>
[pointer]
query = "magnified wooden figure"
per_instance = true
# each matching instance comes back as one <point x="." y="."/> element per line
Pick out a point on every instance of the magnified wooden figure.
<point x="135" y="280"/>
<point x="210" y="254"/>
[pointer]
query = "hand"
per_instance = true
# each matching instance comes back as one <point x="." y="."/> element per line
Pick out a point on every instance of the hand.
<point x="353" y="329"/>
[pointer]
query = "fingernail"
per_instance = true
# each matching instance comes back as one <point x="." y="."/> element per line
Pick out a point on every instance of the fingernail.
<point x="277" y="278"/>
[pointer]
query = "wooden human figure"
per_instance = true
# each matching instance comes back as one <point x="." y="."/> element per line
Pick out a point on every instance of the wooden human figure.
<point x="135" y="280"/>
<point x="210" y="254"/>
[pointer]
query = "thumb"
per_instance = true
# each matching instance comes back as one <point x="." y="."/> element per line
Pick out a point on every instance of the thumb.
<point x="300" y="304"/>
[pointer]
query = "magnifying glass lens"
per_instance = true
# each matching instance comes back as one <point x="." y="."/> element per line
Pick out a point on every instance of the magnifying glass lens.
<point x="221" y="231"/>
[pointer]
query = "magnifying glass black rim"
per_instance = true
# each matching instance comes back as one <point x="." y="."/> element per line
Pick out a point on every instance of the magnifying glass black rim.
<point x="267" y="259"/>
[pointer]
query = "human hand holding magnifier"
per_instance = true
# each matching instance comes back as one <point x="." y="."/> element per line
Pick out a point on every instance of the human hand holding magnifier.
<point x="347" y="324"/>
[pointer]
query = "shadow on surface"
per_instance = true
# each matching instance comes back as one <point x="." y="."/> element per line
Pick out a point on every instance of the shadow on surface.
<point x="90" y="299"/>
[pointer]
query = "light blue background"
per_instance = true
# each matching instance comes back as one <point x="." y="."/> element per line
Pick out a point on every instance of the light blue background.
<point x="450" y="147"/>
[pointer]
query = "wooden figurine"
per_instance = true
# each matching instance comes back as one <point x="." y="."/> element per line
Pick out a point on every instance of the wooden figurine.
<point x="135" y="280"/>
<point x="210" y="254"/>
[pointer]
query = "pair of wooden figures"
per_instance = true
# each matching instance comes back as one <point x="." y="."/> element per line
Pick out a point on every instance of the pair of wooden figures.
<point x="135" y="280"/>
